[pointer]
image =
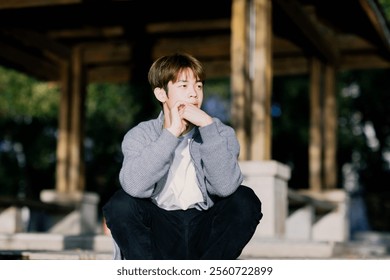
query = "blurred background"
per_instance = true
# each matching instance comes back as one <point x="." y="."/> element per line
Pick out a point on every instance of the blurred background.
<point x="29" y="116"/>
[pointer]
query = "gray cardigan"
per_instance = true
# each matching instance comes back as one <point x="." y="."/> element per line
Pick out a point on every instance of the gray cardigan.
<point x="148" y="150"/>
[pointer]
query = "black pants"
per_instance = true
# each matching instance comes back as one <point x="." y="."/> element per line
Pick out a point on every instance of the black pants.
<point x="142" y="230"/>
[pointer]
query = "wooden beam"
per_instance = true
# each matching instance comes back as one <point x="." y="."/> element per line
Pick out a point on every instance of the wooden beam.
<point x="123" y="73"/>
<point x="107" y="53"/>
<point x="378" y="21"/>
<point x="351" y="43"/>
<point x="16" y="4"/>
<point x="284" y="47"/>
<point x="319" y="42"/>
<point x="110" y="62"/>
<point x="204" y="47"/>
<point x="218" y="68"/>
<point x="101" y="69"/>
<point x="39" y="41"/>
<point x="299" y="65"/>
<point x="32" y="65"/>
<point x="188" y="26"/>
<point x="283" y="66"/>
<point x="363" y="61"/>
<point x="109" y="74"/>
<point x="88" y="33"/>
<point x="355" y="53"/>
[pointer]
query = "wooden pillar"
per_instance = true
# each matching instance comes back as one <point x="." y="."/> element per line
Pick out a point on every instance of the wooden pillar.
<point x="330" y="128"/>
<point x="315" y="140"/>
<point x="260" y="59"/>
<point x="240" y="74"/>
<point x="63" y="159"/>
<point x="251" y="65"/>
<point x="76" y="165"/>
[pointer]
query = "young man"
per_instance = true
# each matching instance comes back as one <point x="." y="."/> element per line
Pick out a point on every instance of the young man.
<point x="181" y="195"/>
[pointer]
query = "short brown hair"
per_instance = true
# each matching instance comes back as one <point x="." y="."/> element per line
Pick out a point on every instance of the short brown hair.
<point x="167" y="68"/>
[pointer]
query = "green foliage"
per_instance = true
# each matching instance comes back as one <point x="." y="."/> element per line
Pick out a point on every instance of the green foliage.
<point x="386" y="7"/>
<point x="28" y="110"/>
<point x="24" y="97"/>
<point x="371" y="106"/>
<point x="290" y="103"/>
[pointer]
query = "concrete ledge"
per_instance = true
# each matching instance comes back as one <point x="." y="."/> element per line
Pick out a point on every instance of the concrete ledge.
<point x="281" y="248"/>
<point x="358" y="250"/>
<point x="266" y="168"/>
<point x="57" y="246"/>
<point x="82" y="220"/>
<point x="31" y="246"/>
<point x="66" y="255"/>
<point x="373" y="237"/>
<point x="268" y="179"/>
<point x="11" y="220"/>
<point x="55" y="242"/>
<point x="54" y="255"/>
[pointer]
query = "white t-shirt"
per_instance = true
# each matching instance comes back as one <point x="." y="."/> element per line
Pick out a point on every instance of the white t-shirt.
<point x="181" y="190"/>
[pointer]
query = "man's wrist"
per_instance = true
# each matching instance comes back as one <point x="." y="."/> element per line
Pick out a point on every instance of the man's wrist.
<point x="207" y="122"/>
<point x="173" y="132"/>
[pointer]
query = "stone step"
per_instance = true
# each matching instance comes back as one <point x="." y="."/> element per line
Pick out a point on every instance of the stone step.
<point x="306" y="249"/>
<point x="281" y="248"/>
<point x="100" y="247"/>
<point x="55" y="242"/>
<point x="54" y="255"/>
<point x="373" y="237"/>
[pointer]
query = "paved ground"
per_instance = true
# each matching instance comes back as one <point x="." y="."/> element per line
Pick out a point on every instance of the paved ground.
<point x="29" y="246"/>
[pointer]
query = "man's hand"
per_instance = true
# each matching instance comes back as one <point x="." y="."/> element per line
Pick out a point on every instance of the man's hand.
<point x="177" y="123"/>
<point x="184" y="115"/>
<point x="195" y="115"/>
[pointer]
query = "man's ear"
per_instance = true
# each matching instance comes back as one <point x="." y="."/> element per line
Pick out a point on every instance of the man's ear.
<point x="160" y="94"/>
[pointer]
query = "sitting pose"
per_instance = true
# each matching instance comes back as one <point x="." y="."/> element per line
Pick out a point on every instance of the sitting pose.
<point x="182" y="195"/>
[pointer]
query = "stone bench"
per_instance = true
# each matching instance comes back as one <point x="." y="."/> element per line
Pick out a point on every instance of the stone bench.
<point x="15" y="212"/>
<point x="288" y="214"/>
<point x="317" y="216"/>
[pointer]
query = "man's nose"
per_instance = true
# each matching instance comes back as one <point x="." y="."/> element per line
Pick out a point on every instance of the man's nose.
<point x="192" y="92"/>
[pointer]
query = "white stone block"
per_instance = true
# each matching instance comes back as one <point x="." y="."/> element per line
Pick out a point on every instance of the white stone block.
<point x="269" y="179"/>
<point x="335" y="225"/>
<point x="11" y="220"/>
<point x="82" y="220"/>
<point x="299" y="224"/>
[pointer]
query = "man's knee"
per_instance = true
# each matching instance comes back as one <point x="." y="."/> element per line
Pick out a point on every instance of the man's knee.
<point x="119" y="207"/>
<point x="246" y="195"/>
<point x="247" y="203"/>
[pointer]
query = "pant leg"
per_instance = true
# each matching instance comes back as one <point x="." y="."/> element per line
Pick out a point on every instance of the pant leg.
<point x="128" y="219"/>
<point x="144" y="231"/>
<point x="222" y="231"/>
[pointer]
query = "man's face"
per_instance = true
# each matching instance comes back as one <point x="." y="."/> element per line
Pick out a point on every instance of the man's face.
<point x="187" y="88"/>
